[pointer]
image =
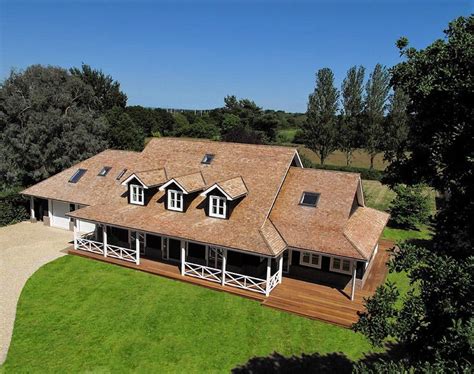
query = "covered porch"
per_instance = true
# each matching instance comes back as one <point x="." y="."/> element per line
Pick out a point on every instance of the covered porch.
<point x="222" y="266"/>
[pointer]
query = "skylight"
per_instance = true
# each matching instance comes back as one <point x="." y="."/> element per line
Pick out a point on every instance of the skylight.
<point x="121" y="174"/>
<point x="207" y="159"/>
<point x="309" y="199"/>
<point x="105" y="170"/>
<point x="77" y="175"/>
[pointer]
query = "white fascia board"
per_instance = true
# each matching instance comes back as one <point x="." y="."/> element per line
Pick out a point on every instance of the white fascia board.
<point x="205" y="193"/>
<point x="125" y="182"/>
<point x="171" y="181"/>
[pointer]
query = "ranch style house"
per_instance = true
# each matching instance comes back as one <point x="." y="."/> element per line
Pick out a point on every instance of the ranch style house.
<point x="239" y="215"/>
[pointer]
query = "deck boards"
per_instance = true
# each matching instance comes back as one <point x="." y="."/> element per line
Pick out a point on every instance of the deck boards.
<point x="306" y="299"/>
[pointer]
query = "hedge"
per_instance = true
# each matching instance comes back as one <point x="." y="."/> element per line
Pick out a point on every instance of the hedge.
<point x="13" y="207"/>
<point x="370" y="174"/>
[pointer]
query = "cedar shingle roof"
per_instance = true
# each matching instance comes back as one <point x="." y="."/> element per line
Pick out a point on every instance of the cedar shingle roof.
<point x="323" y="228"/>
<point x="260" y="173"/>
<point x="151" y="178"/>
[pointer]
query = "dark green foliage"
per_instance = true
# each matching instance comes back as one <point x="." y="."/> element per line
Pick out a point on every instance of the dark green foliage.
<point x="152" y="121"/>
<point x="369" y="174"/>
<point x="410" y="208"/>
<point x="13" y="207"/>
<point x="46" y="124"/>
<point x="123" y="132"/>
<point x="350" y="121"/>
<point x="439" y="81"/>
<point x="320" y="129"/>
<point x="198" y="129"/>
<point x="396" y="127"/>
<point x="107" y="92"/>
<point x="377" y="89"/>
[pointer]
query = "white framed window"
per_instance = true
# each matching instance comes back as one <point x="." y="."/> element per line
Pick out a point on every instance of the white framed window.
<point x="175" y="200"/>
<point x="310" y="259"/>
<point x="137" y="194"/>
<point x="340" y="265"/>
<point x="217" y="206"/>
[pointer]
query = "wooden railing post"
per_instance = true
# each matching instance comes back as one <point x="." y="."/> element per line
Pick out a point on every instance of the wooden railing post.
<point x="280" y="269"/>
<point x="354" y="270"/>
<point x="224" y="264"/>
<point x="104" y="235"/>
<point x="75" y="234"/>
<point x="269" y="271"/>
<point x="137" y="247"/>
<point x="183" y="256"/>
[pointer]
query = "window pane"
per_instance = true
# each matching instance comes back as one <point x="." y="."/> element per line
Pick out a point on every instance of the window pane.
<point x="346" y="265"/>
<point x="306" y="257"/>
<point x="315" y="259"/>
<point x="336" y="263"/>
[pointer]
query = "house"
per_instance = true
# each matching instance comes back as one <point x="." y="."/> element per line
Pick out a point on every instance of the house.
<point x="239" y="215"/>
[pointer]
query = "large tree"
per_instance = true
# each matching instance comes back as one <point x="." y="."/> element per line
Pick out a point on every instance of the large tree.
<point x="320" y="129"/>
<point x="396" y="127"/>
<point x="434" y="323"/>
<point x="351" y="114"/>
<point x="377" y="90"/>
<point x="123" y="132"/>
<point x="47" y="123"/>
<point x="107" y="93"/>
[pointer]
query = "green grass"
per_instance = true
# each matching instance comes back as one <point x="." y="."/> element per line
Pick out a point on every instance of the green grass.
<point x="76" y="314"/>
<point x="377" y="195"/>
<point x="286" y="136"/>
<point x="398" y="235"/>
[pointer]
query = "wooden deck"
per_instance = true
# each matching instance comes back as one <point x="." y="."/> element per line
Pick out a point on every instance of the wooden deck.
<point x="306" y="299"/>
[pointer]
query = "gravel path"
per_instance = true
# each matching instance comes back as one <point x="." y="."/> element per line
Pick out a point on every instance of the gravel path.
<point x="24" y="248"/>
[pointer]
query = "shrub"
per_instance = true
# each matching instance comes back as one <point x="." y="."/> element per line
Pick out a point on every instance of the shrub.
<point x="368" y="174"/>
<point x="13" y="207"/>
<point x="410" y="208"/>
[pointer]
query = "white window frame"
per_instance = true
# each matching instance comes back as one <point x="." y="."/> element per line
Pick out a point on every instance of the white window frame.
<point x="175" y="196"/>
<point x="215" y="203"/>
<point x="137" y="194"/>
<point x="310" y="263"/>
<point x="340" y="270"/>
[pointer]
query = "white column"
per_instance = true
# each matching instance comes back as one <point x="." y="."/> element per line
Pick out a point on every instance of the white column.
<point x="224" y="264"/>
<point x="280" y="268"/>
<point x="354" y="270"/>
<point x="137" y="247"/>
<point x="269" y="273"/>
<point x="50" y="211"/>
<point x="32" y="208"/>
<point x="183" y="255"/>
<point x="75" y="234"/>
<point x="104" y="237"/>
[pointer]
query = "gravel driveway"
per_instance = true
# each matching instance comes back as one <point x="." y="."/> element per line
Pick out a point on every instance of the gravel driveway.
<point x="24" y="248"/>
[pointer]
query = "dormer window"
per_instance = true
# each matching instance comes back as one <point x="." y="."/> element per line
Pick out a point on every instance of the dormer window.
<point x="217" y="206"/>
<point x="175" y="200"/>
<point x="137" y="194"/>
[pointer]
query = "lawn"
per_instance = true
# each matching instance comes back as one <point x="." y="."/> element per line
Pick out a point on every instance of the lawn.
<point x="76" y="314"/>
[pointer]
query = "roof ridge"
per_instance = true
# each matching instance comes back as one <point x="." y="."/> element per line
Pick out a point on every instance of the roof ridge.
<point x="327" y="170"/>
<point x="352" y="243"/>
<point x="265" y="239"/>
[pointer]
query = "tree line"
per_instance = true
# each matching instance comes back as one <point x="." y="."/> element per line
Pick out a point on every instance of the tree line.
<point x="359" y="115"/>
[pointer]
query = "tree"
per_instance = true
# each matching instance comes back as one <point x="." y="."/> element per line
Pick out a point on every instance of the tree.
<point x="107" y="92"/>
<point x="396" y="128"/>
<point x="199" y="129"/>
<point x="229" y="122"/>
<point x="146" y="118"/>
<point x="410" y="208"/>
<point x="47" y="123"/>
<point x="377" y="90"/>
<point x="439" y="82"/>
<point x="352" y="109"/>
<point x="123" y="132"/>
<point x="320" y="129"/>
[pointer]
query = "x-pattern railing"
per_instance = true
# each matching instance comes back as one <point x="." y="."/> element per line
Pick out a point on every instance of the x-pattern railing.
<point x="121" y="253"/>
<point x="273" y="282"/>
<point x="245" y="282"/>
<point x="90" y="245"/>
<point x="204" y="272"/>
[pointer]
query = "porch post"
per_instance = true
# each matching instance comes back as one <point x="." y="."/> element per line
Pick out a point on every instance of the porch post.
<point x="354" y="270"/>
<point x="32" y="209"/>
<point x="137" y="247"/>
<point x="280" y="268"/>
<point x="183" y="256"/>
<point x="75" y="234"/>
<point x="50" y="211"/>
<point x="269" y="271"/>
<point x="104" y="235"/>
<point x="224" y="265"/>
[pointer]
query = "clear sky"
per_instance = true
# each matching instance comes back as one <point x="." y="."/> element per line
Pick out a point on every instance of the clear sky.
<point x="190" y="54"/>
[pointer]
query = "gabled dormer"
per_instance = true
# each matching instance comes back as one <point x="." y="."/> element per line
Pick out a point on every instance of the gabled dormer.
<point x="180" y="191"/>
<point x="222" y="197"/>
<point x="142" y="185"/>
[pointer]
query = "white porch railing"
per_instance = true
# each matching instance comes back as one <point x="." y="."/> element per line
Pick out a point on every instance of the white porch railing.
<point x="89" y="245"/>
<point x="245" y="282"/>
<point x="203" y="272"/>
<point x="274" y="281"/>
<point x="121" y="253"/>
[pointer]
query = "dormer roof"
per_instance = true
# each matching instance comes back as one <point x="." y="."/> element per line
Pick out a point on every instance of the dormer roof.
<point x="148" y="178"/>
<point x="188" y="183"/>
<point x="231" y="188"/>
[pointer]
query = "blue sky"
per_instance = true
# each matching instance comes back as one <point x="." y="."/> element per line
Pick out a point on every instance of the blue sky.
<point x="190" y="54"/>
